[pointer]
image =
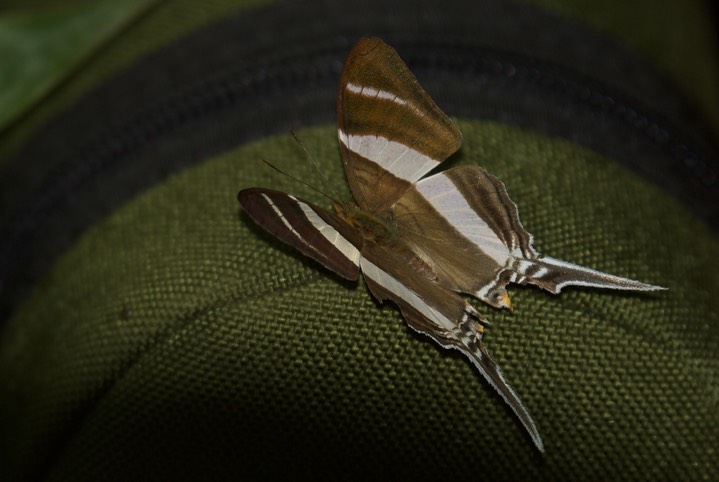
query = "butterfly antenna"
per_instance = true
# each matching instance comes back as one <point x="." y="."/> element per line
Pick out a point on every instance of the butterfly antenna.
<point x="299" y="180"/>
<point x="314" y="163"/>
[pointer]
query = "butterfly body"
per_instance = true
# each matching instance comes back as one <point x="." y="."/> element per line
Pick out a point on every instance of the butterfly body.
<point x="421" y="242"/>
<point x="374" y="228"/>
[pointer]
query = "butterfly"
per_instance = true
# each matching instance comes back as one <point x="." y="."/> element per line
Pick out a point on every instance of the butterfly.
<point x="420" y="242"/>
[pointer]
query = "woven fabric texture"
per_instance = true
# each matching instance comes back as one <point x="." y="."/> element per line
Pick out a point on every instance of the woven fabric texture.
<point x="200" y="347"/>
<point x="159" y="334"/>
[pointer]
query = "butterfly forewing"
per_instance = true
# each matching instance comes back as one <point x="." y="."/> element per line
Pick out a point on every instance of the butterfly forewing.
<point x="315" y="232"/>
<point x="391" y="132"/>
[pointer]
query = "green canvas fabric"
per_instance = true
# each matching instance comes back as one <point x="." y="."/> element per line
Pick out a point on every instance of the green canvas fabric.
<point x="175" y="340"/>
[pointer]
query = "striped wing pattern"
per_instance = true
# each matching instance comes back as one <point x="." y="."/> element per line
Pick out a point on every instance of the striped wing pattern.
<point x="463" y="221"/>
<point x="441" y="314"/>
<point x="419" y="242"/>
<point x="393" y="272"/>
<point x="314" y="231"/>
<point x="384" y="118"/>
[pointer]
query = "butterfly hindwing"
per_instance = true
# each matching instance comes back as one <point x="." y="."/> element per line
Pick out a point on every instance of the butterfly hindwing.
<point x="470" y="234"/>
<point x="441" y="314"/>
<point x="463" y="221"/>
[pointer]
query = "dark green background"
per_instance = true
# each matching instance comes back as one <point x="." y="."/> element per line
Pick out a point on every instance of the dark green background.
<point x="168" y="337"/>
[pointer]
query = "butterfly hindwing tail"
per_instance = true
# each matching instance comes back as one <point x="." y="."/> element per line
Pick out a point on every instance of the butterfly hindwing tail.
<point x="553" y="274"/>
<point x="447" y="318"/>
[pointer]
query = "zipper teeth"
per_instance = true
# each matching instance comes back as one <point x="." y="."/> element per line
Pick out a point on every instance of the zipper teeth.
<point x="226" y="90"/>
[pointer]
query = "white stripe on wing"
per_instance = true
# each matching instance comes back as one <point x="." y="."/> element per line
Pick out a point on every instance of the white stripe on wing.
<point x="395" y="157"/>
<point x="347" y="249"/>
<point x="397" y="288"/>
<point x="450" y="203"/>
<point x="371" y="92"/>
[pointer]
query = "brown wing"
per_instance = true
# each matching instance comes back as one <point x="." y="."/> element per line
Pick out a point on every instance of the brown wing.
<point x="391" y="133"/>
<point x="441" y="314"/>
<point x="464" y="225"/>
<point x="315" y="232"/>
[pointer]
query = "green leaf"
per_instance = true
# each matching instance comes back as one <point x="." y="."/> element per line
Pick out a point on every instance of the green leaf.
<point x="41" y="47"/>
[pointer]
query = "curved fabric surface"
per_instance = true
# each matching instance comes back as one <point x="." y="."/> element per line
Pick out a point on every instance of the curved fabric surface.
<point x="167" y="337"/>
<point x="167" y="112"/>
<point x="192" y="344"/>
